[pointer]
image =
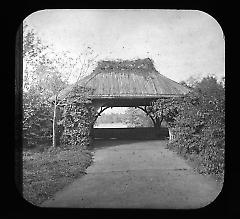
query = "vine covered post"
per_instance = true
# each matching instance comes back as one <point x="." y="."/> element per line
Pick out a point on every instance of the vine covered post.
<point x="78" y="117"/>
<point x="55" y="141"/>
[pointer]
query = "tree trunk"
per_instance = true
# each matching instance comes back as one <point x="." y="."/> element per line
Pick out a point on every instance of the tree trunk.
<point x="158" y="122"/>
<point x="54" y="142"/>
<point x="157" y="126"/>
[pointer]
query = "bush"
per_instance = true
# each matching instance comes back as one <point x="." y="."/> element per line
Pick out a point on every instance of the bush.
<point x="198" y="122"/>
<point x="37" y="123"/>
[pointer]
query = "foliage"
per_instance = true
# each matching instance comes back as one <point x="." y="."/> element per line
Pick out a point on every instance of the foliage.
<point x="137" y="118"/>
<point x="198" y="123"/>
<point x="46" y="73"/>
<point x="77" y="118"/>
<point x="41" y="80"/>
<point x="33" y="47"/>
<point x="167" y="109"/>
<point x="111" y="118"/>
<point x="36" y="120"/>
<point x="124" y="65"/>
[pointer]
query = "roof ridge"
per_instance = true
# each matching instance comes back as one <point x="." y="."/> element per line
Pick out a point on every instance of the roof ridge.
<point x="137" y="64"/>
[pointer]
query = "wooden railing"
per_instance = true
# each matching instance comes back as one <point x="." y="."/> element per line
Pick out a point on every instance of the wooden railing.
<point x="130" y="133"/>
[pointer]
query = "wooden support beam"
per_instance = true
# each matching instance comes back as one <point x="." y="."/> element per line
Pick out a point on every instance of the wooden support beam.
<point x="101" y="111"/>
<point x="148" y="114"/>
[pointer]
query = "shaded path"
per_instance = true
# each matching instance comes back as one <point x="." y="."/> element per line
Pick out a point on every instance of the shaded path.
<point x="137" y="174"/>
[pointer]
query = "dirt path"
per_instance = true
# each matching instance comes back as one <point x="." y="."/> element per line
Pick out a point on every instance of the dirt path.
<point x="137" y="174"/>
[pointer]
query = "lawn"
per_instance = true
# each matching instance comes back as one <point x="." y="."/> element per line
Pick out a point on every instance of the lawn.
<point x="48" y="172"/>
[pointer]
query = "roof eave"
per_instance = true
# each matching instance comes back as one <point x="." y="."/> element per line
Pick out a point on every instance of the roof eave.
<point x="122" y="96"/>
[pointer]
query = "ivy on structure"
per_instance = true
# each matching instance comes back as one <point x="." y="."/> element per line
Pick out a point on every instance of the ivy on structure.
<point x="77" y="117"/>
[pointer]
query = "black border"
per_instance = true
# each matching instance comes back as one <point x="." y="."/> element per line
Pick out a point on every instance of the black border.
<point x="220" y="205"/>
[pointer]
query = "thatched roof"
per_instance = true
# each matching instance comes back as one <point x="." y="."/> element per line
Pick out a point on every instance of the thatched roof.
<point x="128" y="79"/>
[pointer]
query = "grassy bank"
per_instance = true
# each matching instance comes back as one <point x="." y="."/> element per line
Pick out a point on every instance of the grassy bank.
<point x="48" y="172"/>
<point x="197" y="162"/>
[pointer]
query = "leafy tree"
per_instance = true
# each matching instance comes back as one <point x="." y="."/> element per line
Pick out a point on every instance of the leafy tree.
<point x="36" y="109"/>
<point x="137" y="118"/>
<point x="86" y="62"/>
<point x="46" y="73"/>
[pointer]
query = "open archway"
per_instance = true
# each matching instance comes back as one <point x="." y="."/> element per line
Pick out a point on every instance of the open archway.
<point x="108" y="117"/>
<point x="134" y="123"/>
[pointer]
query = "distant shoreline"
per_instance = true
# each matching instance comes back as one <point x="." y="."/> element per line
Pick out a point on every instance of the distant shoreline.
<point x="111" y="125"/>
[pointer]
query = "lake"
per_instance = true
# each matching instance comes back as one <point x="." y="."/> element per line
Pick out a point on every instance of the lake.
<point x="111" y="125"/>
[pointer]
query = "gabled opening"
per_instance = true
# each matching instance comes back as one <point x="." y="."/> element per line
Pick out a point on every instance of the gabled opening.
<point x="126" y="123"/>
<point x="112" y="118"/>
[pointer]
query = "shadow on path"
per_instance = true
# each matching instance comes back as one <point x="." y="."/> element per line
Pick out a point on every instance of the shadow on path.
<point x="105" y="143"/>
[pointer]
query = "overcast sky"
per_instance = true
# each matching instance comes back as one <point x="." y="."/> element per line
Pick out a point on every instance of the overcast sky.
<point x="182" y="43"/>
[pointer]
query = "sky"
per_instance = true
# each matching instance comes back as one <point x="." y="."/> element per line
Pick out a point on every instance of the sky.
<point x="182" y="43"/>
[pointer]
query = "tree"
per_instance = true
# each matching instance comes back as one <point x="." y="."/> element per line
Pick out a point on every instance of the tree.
<point x="37" y="111"/>
<point x="137" y="118"/>
<point x="46" y="72"/>
<point x="86" y="60"/>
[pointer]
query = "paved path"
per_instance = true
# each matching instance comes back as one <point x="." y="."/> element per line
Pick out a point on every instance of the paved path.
<point x="137" y="174"/>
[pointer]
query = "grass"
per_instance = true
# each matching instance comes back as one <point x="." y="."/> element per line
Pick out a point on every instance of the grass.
<point x="47" y="172"/>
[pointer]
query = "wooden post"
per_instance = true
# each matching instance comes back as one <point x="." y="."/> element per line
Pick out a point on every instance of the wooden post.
<point x="54" y="143"/>
<point x="170" y="134"/>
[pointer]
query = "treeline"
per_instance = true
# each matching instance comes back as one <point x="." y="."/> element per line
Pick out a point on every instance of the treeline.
<point x="111" y="118"/>
<point x="132" y="117"/>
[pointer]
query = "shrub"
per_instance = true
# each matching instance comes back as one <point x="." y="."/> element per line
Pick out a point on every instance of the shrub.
<point x="198" y="122"/>
<point x="37" y="124"/>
